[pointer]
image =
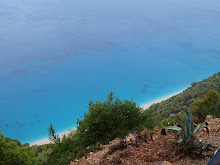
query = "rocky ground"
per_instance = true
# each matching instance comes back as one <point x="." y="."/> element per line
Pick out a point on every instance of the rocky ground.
<point x="151" y="149"/>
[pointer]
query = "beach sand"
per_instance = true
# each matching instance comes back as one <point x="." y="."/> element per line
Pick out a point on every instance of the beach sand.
<point x="144" y="106"/>
<point x="48" y="141"/>
<point x="42" y="142"/>
<point x="147" y="105"/>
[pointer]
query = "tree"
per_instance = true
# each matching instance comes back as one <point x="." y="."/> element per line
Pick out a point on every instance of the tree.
<point x="12" y="153"/>
<point x="211" y="98"/>
<point x="208" y="105"/>
<point x="52" y="134"/>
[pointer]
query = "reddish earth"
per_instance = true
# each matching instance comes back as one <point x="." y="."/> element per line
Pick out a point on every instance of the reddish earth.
<point x="152" y="151"/>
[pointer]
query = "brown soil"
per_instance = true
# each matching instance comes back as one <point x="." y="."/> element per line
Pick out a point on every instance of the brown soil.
<point x="150" y="151"/>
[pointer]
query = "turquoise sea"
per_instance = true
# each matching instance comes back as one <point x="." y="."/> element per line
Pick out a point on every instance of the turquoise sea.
<point x="56" y="55"/>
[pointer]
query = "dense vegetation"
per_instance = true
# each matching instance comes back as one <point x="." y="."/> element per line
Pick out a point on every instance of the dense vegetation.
<point x="12" y="152"/>
<point x="185" y="100"/>
<point x="209" y="104"/>
<point x="112" y="118"/>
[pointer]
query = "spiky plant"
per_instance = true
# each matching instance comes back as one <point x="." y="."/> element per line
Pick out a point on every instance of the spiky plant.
<point x="188" y="143"/>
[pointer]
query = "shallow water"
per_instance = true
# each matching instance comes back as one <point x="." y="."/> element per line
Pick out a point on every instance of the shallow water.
<point x="57" y="55"/>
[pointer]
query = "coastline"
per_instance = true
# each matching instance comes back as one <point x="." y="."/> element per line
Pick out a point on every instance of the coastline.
<point x="42" y="142"/>
<point x="144" y="106"/>
<point x="147" y="105"/>
<point x="47" y="140"/>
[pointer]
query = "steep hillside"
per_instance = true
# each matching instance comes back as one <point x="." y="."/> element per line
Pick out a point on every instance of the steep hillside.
<point x="151" y="151"/>
<point x="185" y="99"/>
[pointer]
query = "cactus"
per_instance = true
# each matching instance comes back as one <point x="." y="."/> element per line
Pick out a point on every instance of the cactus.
<point x="188" y="142"/>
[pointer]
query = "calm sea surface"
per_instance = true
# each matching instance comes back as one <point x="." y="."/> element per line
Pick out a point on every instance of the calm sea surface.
<point x="56" y="55"/>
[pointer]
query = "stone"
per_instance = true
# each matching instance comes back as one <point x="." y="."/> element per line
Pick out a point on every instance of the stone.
<point x="209" y="117"/>
<point x="163" y="132"/>
<point x="167" y="163"/>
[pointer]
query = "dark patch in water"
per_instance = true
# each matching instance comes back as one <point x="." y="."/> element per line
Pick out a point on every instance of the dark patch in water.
<point x="21" y="125"/>
<point x="52" y="58"/>
<point x="44" y="75"/>
<point x="36" y="116"/>
<point x="41" y="90"/>
<point x="4" y="78"/>
<point x="214" y="53"/>
<point x="4" y="98"/>
<point x="42" y="67"/>
<point x="115" y="44"/>
<point x="31" y="124"/>
<point x="20" y="73"/>
<point x="147" y="86"/>
<point x="40" y="70"/>
<point x="184" y="44"/>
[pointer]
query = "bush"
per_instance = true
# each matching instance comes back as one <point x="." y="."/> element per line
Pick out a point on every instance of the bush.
<point x="145" y="122"/>
<point x="209" y="105"/>
<point x="108" y="120"/>
<point x="13" y="153"/>
<point x="103" y="122"/>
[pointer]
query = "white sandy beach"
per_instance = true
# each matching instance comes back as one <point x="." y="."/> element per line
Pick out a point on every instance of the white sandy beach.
<point x="47" y="141"/>
<point x="147" y="105"/>
<point x="42" y="142"/>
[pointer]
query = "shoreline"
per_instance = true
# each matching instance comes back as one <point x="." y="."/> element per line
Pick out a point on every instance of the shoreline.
<point x="47" y="140"/>
<point x="148" y="104"/>
<point x="41" y="142"/>
<point x="144" y="106"/>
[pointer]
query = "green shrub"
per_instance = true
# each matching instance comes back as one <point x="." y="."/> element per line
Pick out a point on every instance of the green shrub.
<point x="13" y="153"/>
<point x="145" y="121"/>
<point x="103" y="122"/>
<point x="107" y="120"/>
<point x="171" y="121"/>
<point x="208" y="105"/>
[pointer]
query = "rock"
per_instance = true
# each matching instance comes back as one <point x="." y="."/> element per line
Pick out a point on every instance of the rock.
<point x="163" y="132"/>
<point x="209" y="117"/>
<point x="215" y="151"/>
<point x="172" y="114"/>
<point x="175" y="114"/>
<point x="167" y="163"/>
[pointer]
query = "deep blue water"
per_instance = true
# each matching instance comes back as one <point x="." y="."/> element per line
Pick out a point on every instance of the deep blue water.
<point x="56" y="55"/>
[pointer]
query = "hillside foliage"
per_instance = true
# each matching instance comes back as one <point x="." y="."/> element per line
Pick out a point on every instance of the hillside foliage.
<point x="186" y="99"/>
<point x="12" y="152"/>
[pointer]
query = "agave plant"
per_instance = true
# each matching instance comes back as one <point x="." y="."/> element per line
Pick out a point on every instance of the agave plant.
<point x="188" y="142"/>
